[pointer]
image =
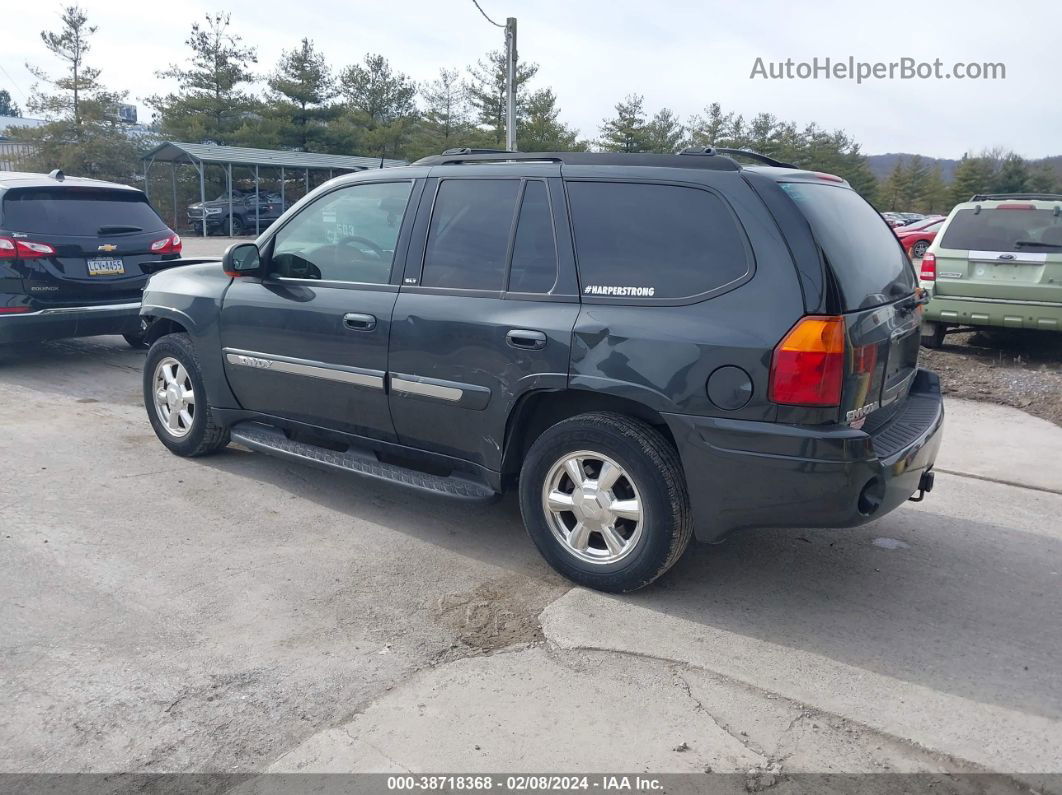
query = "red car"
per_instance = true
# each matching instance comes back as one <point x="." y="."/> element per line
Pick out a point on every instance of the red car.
<point x="916" y="238"/>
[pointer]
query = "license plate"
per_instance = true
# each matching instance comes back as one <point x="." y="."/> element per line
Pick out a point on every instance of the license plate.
<point x="105" y="266"/>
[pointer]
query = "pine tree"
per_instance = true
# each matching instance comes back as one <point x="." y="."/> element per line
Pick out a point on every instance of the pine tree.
<point x="211" y="103"/>
<point x="893" y="192"/>
<point x="444" y="118"/>
<point x="381" y="106"/>
<point x="7" y="105"/>
<point x="300" y="87"/>
<point x="541" y="130"/>
<point x="487" y="92"/>
<point x="972" y="175"/>
<point x="1012" y="177"/>
<point x="917" y="180"/>
<point x="77" y="93"/>
<point x="665" y="133"/>
<point x="1043" y="179"/>
<point x="935" y="197"/>
<point x="627" y="131"/>
<point x="713" y="128"/>
<point x="83" y="136"/>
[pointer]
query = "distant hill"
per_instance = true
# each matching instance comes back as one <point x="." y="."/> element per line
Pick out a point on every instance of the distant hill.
<point x="882" y="165"/>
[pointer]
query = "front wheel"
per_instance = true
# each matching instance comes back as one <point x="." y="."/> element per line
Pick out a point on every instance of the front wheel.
<point x="603" y="497"/>
<point x="176" y="400"/>
<point x="237" y="226"/>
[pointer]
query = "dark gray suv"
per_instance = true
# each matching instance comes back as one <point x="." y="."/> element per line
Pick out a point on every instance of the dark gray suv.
<point x="647" y="346"/>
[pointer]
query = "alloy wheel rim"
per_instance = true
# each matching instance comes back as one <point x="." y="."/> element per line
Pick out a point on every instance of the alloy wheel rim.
<point x="593" y="507"/>
<point x="174" y="397"/>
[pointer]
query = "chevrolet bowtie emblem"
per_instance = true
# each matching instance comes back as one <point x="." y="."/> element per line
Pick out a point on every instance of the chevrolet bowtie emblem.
<point x="107" y="247"/>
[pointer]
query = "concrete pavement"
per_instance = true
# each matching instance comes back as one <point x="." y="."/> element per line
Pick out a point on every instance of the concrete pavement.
<point x="240" y="614"/>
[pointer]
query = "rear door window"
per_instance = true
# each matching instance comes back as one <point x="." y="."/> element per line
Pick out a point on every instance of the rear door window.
<point x="643" y="240"/>
<point x="468" y="241"/>
<point x="862" y="252"/>
<point x="81" y="212"/>
<point x="1004" y="230"/>
<point x="534" y="265"/>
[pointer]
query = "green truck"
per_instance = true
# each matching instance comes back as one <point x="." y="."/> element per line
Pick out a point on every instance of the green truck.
<point x="996" y="262"/>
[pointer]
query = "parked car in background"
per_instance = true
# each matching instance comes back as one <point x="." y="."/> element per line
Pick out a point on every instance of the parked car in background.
<point x="916" y="238"/>
<point x="916" y="225"/>
<point x="996" y="261"/>
<point x="245" y="218"/>
<point x="72" y="253"/>
<point x="647" y="347"/>
<point x="894" y="219"/>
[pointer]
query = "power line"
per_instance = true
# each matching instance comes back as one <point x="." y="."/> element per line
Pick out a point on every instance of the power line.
<point x="16" y="85"/>
<point x="484" y="13"/>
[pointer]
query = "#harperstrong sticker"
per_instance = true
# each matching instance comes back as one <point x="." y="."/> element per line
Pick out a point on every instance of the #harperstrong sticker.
<point x="625" y="292"/>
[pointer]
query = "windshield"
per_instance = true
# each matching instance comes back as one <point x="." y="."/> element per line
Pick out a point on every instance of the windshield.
<point x="1004" y="230"/>
<point x="861" y="250"/>
<point x="78" y="211"/>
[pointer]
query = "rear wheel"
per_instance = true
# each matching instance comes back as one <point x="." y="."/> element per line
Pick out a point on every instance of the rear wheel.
<point x="603" y="497"/>
<point x="176" y="400"/>
<point x="933" y="335"/>
<point x="918" y="250"/>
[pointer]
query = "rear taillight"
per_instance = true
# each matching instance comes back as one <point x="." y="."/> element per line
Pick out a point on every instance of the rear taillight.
<point x="12" y="248"/>
<point x="807" y="368"/>
<point x="928" y="270"/>
<point x="168" y="245"/>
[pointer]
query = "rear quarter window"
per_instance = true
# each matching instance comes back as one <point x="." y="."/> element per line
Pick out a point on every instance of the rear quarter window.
<point x="77" y="211"/>
<point x="861" y="250"/>
<point x="1004" y="230"/>
<point x="644" y="241"/>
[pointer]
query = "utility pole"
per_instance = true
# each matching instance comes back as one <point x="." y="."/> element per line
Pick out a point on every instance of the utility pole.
<point x="510" y="83"/>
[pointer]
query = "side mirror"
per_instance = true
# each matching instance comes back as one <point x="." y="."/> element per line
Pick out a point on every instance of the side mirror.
<point x="242" y="259"/>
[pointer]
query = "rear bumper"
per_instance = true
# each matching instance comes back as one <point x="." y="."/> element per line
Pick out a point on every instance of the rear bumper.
<point x="72" y="321"/>
<point x="743" y="474"/>
<point x="960" y="311"/>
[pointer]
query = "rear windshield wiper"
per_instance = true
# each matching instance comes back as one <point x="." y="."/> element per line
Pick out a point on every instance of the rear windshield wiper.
<point x="1021" y="243"/>
<point x="118" y="229"/>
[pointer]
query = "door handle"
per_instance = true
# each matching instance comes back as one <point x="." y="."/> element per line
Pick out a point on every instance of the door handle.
<point x="523" y="338"/>
<point x="358" y="322"/>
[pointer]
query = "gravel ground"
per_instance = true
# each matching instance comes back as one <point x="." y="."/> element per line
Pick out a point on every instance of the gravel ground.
<point x="1011" y="367"/>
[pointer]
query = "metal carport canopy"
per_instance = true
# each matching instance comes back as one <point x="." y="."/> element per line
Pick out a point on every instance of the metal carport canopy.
<point x="200" y="155"/>
<point x="178" y="152"/>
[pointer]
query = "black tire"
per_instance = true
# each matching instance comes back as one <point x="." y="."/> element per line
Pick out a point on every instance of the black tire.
<point x="237" y="226"/>
<point x="936" y="339"/>
<point x="204" y="435"/>
<point x="135" y="341"/>
<point x="650" y="462"/>
<point x="918" y="249"/>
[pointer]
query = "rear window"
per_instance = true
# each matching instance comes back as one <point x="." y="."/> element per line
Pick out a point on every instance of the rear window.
<point x="1004" y="230"/>
<point x="638" y="240"/>
<point x="77" y="211"/>
<point x="862" y="252"/>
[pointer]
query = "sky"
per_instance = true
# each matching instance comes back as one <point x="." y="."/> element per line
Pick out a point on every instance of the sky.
<point x="677" y="54"/>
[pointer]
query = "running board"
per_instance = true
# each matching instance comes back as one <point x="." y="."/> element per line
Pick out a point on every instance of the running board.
<point x="267" y="439"/>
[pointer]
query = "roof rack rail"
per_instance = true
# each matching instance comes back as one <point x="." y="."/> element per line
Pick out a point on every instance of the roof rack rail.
<point x="466" y="150"/>
<point x="1044" y="197"/>
<point x="472" y="156"/>
<point x="767" y="161"/>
